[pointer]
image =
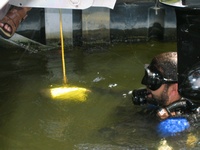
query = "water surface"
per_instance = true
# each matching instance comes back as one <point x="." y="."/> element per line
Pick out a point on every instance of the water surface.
<point x="106" y="120"/>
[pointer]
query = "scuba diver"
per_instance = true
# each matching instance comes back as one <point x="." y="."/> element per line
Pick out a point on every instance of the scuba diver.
<point x="162" y="89"/>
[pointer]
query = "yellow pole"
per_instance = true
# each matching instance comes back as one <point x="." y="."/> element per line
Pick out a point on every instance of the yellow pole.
<point x="62" y="48"/>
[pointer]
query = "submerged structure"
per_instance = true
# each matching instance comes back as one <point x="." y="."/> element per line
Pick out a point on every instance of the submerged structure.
<point x="85" y="23"/>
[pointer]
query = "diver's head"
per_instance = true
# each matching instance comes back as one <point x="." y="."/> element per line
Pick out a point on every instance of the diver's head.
<point x="162" y="69"/>
<point x="160" y="74"/>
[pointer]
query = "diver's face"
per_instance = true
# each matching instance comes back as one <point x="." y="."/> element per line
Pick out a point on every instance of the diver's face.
<point x="157" y="84"/>
<point x="160" y="95"/>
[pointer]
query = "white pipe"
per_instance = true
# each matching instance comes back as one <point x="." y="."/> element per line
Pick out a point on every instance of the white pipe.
<point x="67" y="4"/>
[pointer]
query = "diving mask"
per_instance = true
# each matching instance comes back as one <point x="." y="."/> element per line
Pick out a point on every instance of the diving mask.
<point x="153" y="78"/>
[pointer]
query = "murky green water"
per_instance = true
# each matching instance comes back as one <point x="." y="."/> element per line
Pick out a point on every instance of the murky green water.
<point x="106" y="120"/>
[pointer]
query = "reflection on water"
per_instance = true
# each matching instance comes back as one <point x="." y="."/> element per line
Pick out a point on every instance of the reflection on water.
<point x="106" y="120"/>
